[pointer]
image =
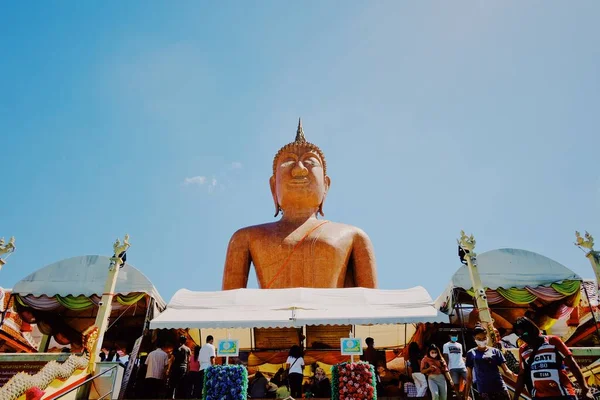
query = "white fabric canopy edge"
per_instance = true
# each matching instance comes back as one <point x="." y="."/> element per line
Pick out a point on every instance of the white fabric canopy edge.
<point x="297" y="307"/>
<point x="85" y="275"/>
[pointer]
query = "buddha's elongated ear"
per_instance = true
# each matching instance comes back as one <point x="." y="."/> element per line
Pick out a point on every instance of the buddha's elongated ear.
<point x="274" y="194"/>
<point x="327" y="184"/>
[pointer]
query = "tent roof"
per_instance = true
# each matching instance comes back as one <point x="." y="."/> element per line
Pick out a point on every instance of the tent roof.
<point x="513" y="268"/>
<point x="277" y="308"/>
<point x="84" y="275"/>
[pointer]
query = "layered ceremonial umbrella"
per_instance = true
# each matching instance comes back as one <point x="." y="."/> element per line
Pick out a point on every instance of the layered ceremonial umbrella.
<point x="517" y="282"/>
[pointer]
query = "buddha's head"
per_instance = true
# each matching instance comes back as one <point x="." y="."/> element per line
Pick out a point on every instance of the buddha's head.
<point x="299" y="175"/>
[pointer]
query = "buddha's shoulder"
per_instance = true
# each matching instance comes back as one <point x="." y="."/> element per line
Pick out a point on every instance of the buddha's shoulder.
<point x="346" y="228"/>
<point x="249" y="231"/>
<point x="274" y="228"/>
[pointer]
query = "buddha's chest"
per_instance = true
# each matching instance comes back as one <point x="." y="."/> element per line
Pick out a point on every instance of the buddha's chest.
<point x="317" y="260"/>
<point x="313" y="247"/>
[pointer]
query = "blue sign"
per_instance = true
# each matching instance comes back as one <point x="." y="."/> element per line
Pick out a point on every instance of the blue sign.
<point x="228" y="348"/>
<point x="351" y="346"/>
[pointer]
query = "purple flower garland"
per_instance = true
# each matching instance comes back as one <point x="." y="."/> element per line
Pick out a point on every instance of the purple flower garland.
<point x="225" y="382"/>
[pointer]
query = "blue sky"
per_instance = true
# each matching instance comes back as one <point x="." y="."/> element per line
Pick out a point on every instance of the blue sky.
<point x="434" y="117"/>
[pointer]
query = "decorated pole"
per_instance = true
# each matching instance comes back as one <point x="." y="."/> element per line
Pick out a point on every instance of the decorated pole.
<point x="593" y="256"/>
<point x="116" y="263"/>
<point x="7" y="248"/>
<point x="351" y="355"/>
<point x="467" y="244"/>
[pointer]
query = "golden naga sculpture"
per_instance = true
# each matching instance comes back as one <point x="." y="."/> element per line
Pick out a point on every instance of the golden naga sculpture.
<point x="587" y="243"/>
<point x="300" y="250"/>
<point x="22" y="382"/>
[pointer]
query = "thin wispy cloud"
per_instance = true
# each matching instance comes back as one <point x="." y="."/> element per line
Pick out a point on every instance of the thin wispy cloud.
<point x="201" y="180"/>
<point x="195" y="180"/>
<point x="212" y="185"/>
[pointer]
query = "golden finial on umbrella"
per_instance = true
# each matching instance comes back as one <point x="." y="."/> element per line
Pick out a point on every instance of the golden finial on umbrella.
<point x="119" y="248"/>
<point x="587" y="243"/>
<point x="467" y="242"/>
<point x="6" y="248"/>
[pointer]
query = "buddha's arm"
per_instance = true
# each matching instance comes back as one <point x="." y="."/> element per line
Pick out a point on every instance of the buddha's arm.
<point x="237" y="262"/>
<point x="363" y="259"/>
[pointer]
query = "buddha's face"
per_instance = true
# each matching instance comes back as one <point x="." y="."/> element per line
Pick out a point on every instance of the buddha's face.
<point x="299" y="179"/>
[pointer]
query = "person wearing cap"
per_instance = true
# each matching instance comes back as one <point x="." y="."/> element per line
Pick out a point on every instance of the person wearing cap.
<point x="544" y="360"/>
<point x="453" y="354"/>
<point x="485" y="360"/>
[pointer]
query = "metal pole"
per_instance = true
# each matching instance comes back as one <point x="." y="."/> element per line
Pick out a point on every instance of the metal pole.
<point x="458" y="309"/>
<point x="352" y="336"/>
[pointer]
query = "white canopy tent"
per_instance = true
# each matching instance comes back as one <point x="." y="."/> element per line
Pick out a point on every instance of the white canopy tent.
<point x="242" y="309"/>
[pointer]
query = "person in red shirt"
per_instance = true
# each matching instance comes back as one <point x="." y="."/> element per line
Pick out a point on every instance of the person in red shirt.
<point x="543" y="360"/>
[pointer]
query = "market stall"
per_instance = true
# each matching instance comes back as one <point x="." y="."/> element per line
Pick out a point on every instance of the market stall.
<point x="269" y="321"/>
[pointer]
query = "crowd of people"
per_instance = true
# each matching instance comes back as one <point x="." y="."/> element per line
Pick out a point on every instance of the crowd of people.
<point x="544" y="363"/>
<point x="437" y="373"/>
<point x="169" y="372"/>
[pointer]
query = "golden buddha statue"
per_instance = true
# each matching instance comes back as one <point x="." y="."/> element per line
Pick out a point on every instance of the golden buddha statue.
<point x="300" y="250"/>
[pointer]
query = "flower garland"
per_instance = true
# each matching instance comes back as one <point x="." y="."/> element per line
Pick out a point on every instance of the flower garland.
<point x="353" y="381"/>
<point x="225" y="382"/>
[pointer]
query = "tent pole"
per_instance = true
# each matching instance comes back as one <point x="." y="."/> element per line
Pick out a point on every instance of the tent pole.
<point x="149" y="316"/>
<point x="591" y="311"/>
<point x="458" y="310"/>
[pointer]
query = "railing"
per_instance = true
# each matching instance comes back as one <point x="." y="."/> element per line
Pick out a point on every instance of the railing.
<point x="88" y="380"/>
